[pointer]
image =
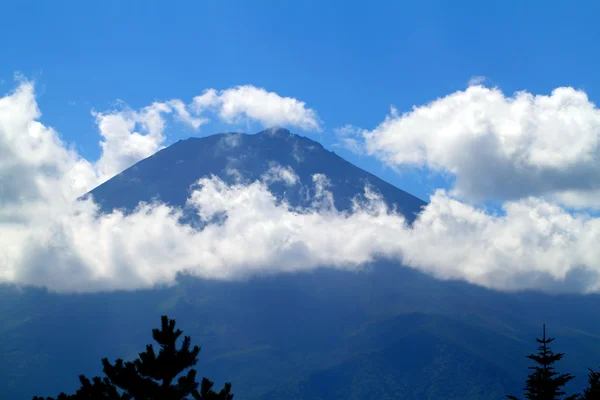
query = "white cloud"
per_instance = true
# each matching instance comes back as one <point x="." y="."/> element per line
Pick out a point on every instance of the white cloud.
<point x="500" y="147"/>
<point x="534" y="245"/>
<point x="48" y="239"/>
<point x="256" y="104"/>
<point x="123" y="146"/>
<point x="35" y="166"/>
<point x="280" y="173"/>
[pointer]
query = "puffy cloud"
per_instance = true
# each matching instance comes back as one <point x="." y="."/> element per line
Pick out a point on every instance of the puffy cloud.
<point x="535" y="244"/>
<point x="36" y="168"/>
<point x="499" y="147"/>
<point x="256" y="104"/>
<point x="49" y="239"/>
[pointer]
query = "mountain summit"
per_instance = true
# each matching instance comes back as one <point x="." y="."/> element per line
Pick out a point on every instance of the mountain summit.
<point x="233" y="157"/>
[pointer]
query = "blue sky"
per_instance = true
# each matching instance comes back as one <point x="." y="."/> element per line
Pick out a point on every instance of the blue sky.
<point x="347" y="60"/>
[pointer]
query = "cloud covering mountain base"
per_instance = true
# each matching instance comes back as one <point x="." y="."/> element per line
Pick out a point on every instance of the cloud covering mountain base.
<point x="50" y="239"/>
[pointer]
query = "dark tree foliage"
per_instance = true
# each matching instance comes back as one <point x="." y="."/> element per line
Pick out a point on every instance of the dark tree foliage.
<point x="544" y="383"/>
<point x="592" y="392"/>
<point x="152" y="376"/>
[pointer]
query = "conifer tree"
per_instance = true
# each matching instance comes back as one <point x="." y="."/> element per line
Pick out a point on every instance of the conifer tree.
<point x="592" y="392"/>
<point x="544" y="383"/>
<point x="152" y="376"/>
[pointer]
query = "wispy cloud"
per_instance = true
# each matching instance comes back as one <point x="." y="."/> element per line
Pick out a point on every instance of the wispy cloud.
<point x="476" y="80"/>
<point x="349" y="137"/>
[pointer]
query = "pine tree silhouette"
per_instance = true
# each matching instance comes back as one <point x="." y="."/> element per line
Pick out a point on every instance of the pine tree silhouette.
<point x="592" y="392"/>
<point x="152" y="376"/>
<point x="544" y="383"/>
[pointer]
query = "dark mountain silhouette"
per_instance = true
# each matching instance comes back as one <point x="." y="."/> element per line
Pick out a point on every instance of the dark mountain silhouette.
<point x="381" y="333"/>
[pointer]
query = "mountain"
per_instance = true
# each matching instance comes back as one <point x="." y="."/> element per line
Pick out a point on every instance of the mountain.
<point x="416" y="365"/>
<point x="386" y="332"/>
<point x="168" y="174"/>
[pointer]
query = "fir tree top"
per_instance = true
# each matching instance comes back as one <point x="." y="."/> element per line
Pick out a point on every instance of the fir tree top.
<point x="152" y="376"/>
<point x="592" y="392"/>
<point x="544" y="383"/>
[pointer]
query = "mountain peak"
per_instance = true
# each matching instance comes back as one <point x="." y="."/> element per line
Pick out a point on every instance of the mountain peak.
<point x="238" y="157"/>
<point x="276" y="131"/>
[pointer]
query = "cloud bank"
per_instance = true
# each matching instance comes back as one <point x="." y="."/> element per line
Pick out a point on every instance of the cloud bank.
<point x="49" y="239"/>
<point x="497" y="147"/>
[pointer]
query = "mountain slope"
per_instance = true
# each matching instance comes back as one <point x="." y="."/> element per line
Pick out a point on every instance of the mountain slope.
<point x="419" y="365"/>
<point x="276" y="335"/>
<point x="168" y="174"/>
